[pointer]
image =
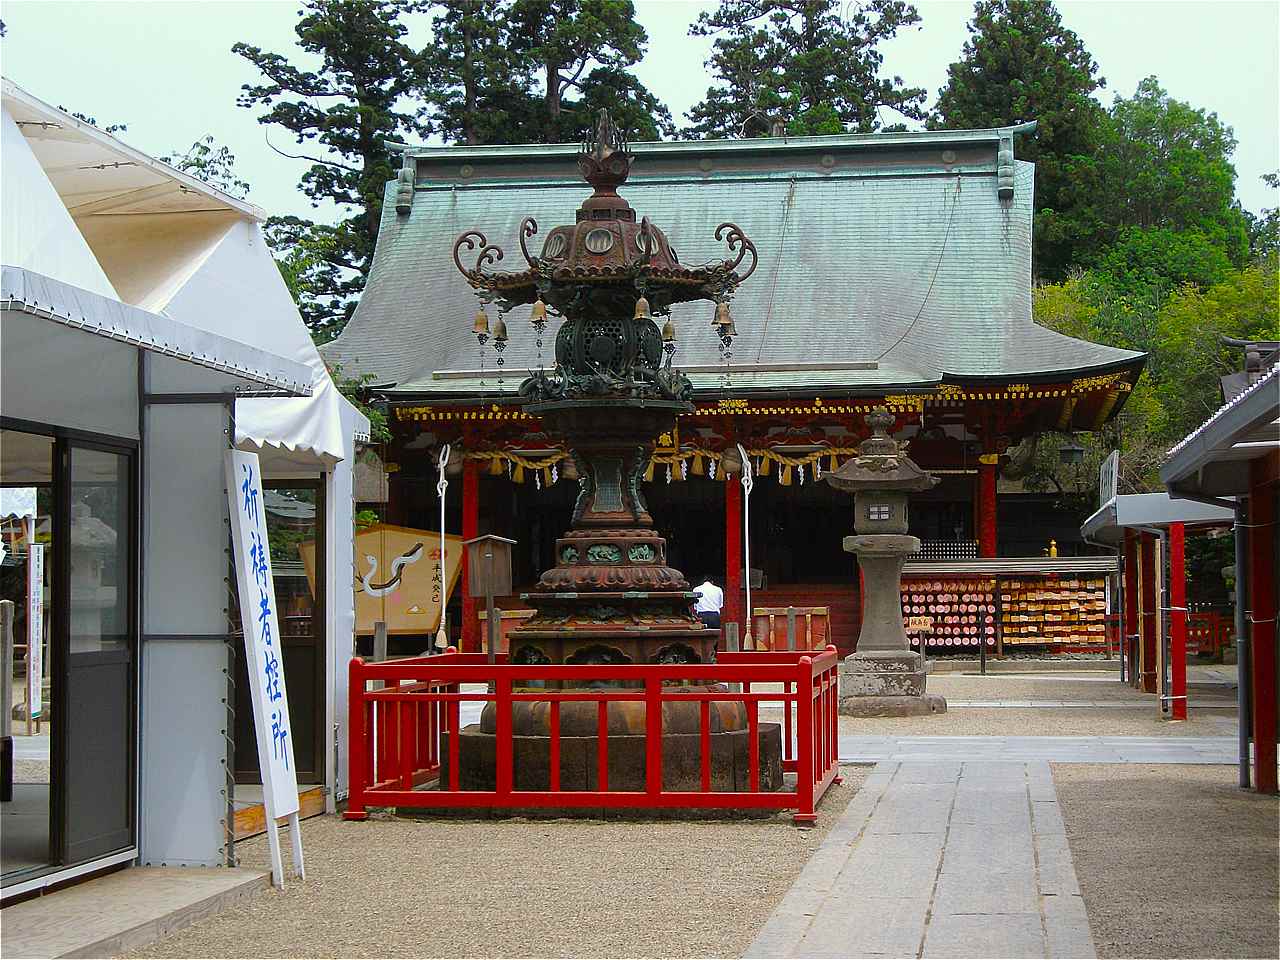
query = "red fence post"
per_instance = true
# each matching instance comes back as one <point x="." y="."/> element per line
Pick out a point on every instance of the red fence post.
<point x="504" y="744"/>
<point x="804" y="814"/>
<point x="357" y="743"/>
<point x="652" y="736"/>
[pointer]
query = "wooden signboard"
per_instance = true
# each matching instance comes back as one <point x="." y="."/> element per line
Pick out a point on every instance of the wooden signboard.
<point x="398" y="577"/>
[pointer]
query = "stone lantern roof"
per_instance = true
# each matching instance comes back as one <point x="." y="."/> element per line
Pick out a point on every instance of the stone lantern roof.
<point x="880" y="465"/>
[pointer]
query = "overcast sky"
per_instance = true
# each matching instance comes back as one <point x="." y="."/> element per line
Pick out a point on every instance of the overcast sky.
<point x="165" y="67"/>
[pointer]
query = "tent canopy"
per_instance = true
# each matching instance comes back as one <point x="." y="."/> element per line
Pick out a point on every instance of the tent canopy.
<point x="134" y="229"/>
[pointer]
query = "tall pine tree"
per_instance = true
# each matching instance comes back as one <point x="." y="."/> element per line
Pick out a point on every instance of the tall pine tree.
<point x="1020" y="63"/>
<point x="806" y="64"/>
<point x="354" y="100"/>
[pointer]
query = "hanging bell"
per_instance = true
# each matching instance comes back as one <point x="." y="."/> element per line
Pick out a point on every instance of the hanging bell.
<point x="500" y="330"/>
<point x="568" y="469"/>
<point x="723" y="317"/>
<point x="539" y="312"/>
<point x="642" y="309"/>
<point x="668" y="332"/>
<point x="481" y="325"/>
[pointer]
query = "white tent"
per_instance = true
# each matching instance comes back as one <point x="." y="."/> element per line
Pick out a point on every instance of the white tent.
<point x="83" y="208"/>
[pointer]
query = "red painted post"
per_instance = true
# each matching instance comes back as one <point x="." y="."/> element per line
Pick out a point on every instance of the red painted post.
<point x="1178" y="618"/>
<point x="804" y="814"/>
<point x="502" y="735"/>
<point x="407" y="731"/>
<point x="652" y="736"/>
<point x="1263" y="603"/>
<point x="988" y="467"/>
<point x="357" y="743"/>
<point x="1148" y="613"/>
<point x="1129" y="622"/>
<point x="733" y="597"/>
<point x="470" y="530"/>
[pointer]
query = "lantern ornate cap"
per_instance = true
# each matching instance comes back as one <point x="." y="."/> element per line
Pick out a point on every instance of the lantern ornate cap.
<point x="606" y="247"/>
<point x="880" y="463"/>
<point x="605" y="163"/>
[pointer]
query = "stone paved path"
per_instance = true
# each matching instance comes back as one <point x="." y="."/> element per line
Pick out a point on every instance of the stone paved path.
<point x="939" y="859"/>
<point x="872" y="749"/>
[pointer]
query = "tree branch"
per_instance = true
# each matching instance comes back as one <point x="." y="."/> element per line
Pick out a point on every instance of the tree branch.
<point x="331" y="163"/>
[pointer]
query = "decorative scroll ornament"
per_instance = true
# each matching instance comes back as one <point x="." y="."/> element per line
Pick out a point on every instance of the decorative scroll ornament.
<point x="611" y="276"/>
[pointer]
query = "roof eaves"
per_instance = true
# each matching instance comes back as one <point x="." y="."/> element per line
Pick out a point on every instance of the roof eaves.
<point x="12" y="91"/>
<point x="760" y="145"/>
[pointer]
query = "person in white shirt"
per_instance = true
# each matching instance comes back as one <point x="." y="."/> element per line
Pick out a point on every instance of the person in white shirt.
<point x="710" y="602"/>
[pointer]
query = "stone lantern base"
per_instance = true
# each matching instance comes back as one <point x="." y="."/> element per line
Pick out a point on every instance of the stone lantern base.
<point x="885" y="678"/>
<point x="886" y="683"/>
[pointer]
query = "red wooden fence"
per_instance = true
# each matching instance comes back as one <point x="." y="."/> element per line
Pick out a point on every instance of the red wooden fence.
<point x="397" y="731"/>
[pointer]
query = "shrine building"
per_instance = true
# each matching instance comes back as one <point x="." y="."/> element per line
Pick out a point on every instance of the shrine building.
<point x="894" y="269"/>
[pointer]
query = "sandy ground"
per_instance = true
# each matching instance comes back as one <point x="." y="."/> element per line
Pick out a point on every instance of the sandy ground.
<point x="404" y="888"/>
<point x="1173" y="861"/>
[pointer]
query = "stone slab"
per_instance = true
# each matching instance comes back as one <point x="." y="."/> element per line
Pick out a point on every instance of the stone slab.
<point x="912" y="870"/>
<point x="860" y="705"/>
<point x="124" y="911"/>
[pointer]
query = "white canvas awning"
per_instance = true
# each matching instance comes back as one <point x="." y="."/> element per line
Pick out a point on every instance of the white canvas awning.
<point x="111" y="220"/>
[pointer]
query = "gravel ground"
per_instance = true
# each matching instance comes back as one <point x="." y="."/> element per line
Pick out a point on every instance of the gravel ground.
<point x="1173" y="861"/>
<point x="1062" y="722"/>
<point x="1048" y="686"/>
<point x="518" y="888"/>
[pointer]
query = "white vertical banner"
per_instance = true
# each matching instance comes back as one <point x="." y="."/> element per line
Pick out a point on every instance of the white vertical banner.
<point x="263" y="651"/>
<point x="35" y="622"/>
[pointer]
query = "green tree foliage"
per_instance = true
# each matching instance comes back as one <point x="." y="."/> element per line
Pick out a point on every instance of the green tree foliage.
<point x="812" y="65"/>
<point x="348" y="104"/>
<point x="1264" y="231"/>
<point x="211" y="162"/>
<point x="1182" y="330"/>
<point x="1164" y="164"/>
<point x="1020" y="63"/>
<point x="535" y="71"/>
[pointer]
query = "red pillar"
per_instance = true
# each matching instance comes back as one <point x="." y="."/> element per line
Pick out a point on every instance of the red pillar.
<point x="1178" y="619"/>
<point x="988" y="467"/>
<point x="470" y="529"/>
<point x="1129" y="625"/>
<point x="1148" y="613"/>
<point x="1262" y="604"/>
<point x="733" y="598"/>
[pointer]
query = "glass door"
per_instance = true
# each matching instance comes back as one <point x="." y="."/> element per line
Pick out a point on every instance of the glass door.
<point x="26" y="568"/>
<point x="98" y="670"/>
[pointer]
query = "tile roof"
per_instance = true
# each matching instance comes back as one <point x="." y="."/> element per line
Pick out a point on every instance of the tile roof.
<point x="878" y="248"/>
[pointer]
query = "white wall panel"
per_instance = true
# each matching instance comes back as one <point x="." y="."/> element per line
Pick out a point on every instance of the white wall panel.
<point x="52" y="374"/>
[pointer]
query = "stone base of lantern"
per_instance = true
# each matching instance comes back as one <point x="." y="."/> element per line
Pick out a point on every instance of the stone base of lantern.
<point x="886" y="684"/>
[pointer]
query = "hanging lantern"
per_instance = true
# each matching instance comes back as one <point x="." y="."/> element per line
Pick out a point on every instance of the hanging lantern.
<point x="642" y="309"/>
<point x="481" y="325"/>
<point x="668" y="332"/>
<point x="499" y="331"/>
<point x="538" y="314"/>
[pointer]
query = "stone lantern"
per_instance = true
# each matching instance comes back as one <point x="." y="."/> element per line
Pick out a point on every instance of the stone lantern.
<point x="884" y="677"/>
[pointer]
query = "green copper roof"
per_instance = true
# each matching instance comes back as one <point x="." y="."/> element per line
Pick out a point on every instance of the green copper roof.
<point x="893" y="250"/>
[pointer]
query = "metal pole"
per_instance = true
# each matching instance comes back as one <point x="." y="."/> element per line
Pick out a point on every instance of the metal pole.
<point x="982" y="654"/>
<point x="442" y="485"/>
<point x="747" y="483"/>
<point x="1244" y="678"/>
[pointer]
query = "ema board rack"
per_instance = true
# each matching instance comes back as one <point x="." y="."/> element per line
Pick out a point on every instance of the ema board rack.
<point x="961" y="611"/>
<point x="1058" y="602"/>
